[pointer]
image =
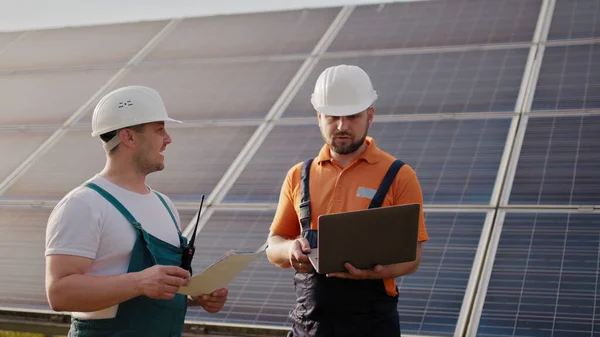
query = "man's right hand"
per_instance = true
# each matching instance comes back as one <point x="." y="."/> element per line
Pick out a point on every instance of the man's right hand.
<point x="298" y="258"/>
<point x="162" y="282"/>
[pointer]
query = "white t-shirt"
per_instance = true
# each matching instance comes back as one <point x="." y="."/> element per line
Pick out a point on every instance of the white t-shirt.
<point x="85" y="224"/>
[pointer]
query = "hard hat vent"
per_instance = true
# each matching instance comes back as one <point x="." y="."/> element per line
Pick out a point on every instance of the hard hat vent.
<point x="123" y="104"/>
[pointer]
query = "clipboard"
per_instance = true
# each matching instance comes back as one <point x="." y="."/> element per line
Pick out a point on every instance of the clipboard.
<point x="219" y="274"/>
<point x="366" y="238"/>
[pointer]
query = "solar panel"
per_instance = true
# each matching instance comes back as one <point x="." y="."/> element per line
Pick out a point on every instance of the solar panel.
<point x="17" y="146"/>
<point x="569" y="78"/>
<point x="22" y="246"/>
<point x="214" y="91"/>
<point x="559" y="162"/>
<point x="575" y="19"/>
<point x="231" y="68"/>
<point x="545" y="277"/>
<point x="255" y="34"/>
<point x="430" y="299"/>
<point x="22" y="256"/>
<point x="456" y="160"/>
<point x="6" y="39"/>
<point x="194" y="163"/>
<point x="197" y="159"/>
<point x="47" y="97"/>
<point x="437" y="23"/>
<point x="79" y="46"/>
<point x="262" y="293"/>
<point x="465" y="81"/>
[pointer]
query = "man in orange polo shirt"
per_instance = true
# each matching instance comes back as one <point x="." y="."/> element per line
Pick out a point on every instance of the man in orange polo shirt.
<point x="345" y="176"/>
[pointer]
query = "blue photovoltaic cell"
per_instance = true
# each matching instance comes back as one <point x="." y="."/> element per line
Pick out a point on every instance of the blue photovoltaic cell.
<point x="247" y="34"/>
<point x="196" y="91"/>
<point x="22" y="260"/>
<point x="544" y="280"/>
<point x="456" y="161"/>
<point x="437" y="23"/>
<point x="569" y="78"/>
<point x="575" y="19"/>
<point x="262" y="293"/>
<point x="430" y="300"/>
<point x="449" y="82"/>
<point x="559" y="162"/>
<point x="194" y="163"/>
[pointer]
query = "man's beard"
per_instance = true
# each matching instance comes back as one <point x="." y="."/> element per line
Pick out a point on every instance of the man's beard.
<point x="346" y="148"/>
<point x="144" y="166"/>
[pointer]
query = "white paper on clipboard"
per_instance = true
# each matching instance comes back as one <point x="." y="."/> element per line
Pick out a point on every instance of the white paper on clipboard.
<point x="219" y="274"/>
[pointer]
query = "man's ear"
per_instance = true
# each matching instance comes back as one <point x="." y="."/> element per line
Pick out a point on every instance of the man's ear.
<point x="126" y="136"/>
<point x="370" y="115"/>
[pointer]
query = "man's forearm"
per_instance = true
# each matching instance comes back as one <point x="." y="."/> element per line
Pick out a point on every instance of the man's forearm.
<point x="401" y="269"/>
<point x="279" y="250"/>
<point x="87" y="293"/>
<point x="398" y="269"/>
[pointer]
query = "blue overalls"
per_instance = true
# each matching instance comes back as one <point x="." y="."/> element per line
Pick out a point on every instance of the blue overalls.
<point x="341" y="307"/>
<point x="141" y="316"/>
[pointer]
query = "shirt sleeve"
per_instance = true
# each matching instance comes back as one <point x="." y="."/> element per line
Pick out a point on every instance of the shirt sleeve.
<point x="73" y="228"/>
<point x="409" y="193"/>
<point x="285" y="222"/>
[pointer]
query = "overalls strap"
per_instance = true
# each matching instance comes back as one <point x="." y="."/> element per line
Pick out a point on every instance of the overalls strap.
<point x="386" y="183"/>
<point x="123" y="210"/>
<point x="305" y="196"/>
<point x="169" y="210"/>
<point x="377" y="200"/>
<point x="118" y="205"/>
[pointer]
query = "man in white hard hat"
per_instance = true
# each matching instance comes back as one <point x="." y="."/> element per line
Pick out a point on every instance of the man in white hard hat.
<point x="114" y="245"/>
<point x="346" y="175"/>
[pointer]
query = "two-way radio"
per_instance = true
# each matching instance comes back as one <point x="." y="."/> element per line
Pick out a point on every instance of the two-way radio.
<point x="189" y="249"/>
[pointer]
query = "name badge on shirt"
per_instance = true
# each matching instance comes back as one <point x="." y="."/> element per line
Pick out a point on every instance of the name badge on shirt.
<point x="364" y="192"/>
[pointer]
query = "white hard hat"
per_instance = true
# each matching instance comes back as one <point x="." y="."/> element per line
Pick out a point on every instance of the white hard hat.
<point x="343" y="90"/>
<point x="128" y="106"/>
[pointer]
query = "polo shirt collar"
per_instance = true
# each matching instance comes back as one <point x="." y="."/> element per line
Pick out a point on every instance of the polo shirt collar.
<point x="371" y="154"/>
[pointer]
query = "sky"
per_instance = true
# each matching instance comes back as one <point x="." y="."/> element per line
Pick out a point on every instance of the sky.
<point x="18" y="15"/>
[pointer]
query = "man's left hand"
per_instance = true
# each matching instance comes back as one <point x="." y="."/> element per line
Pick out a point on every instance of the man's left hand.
<point x="359" y="274"/>
<point x="211" y="302"/>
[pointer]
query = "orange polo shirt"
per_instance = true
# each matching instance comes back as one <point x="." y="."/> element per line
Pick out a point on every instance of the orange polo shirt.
<point x="334" y="189"/>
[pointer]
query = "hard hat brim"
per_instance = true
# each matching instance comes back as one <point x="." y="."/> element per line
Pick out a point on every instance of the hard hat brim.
<point x="168" y="119"/>
<point x="343" y="110"/>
